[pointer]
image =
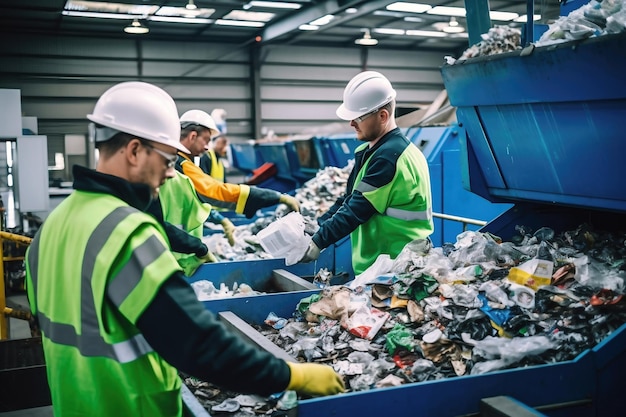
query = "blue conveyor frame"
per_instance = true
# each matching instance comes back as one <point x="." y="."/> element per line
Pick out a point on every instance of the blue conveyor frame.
<point x="575" y="388"/>
<point x="543" y="131"/>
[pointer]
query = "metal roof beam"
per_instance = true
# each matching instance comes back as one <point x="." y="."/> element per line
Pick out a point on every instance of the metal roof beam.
<point x="287" y="25"/>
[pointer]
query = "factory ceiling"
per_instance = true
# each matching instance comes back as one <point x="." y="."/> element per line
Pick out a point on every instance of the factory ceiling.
<point x="399" y="25"/>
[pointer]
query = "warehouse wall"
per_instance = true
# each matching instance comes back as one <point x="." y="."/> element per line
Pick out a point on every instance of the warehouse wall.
<point x="279" y="88"/>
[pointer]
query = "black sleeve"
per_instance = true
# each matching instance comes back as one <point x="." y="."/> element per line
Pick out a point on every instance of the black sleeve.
<point x="190" y="338"/>
<point x="260" y="198"/>
<point x="205" y="163"/>
<point x="354" y="211"/>
<point x="180" y="241"/>
<point x="331" y="211"/>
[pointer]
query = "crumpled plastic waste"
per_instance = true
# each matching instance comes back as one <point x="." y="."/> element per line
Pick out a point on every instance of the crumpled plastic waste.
<point x="590" y="20"/>
<point x="206" y="290"/>
<point x="469" y="327"/>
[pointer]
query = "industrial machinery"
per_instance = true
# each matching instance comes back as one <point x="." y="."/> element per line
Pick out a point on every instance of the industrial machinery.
<point x="554" y="154"/>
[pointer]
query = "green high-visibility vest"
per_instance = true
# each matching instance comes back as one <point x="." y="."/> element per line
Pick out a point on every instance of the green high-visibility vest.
<point x="92" y="269"/>
<point x="181" y="205"/>
<point x="404" y="210"/>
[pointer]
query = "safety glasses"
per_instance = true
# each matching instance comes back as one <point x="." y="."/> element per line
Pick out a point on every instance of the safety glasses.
<point x="170" y="160"/>
<point x="365" y="116"/>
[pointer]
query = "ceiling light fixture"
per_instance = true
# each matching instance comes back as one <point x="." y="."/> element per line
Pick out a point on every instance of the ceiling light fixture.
<point x="367" y="39"/>
<point x="136" y="28"/>
<point x="191" y="5"/>
<point x="450" y="27"/>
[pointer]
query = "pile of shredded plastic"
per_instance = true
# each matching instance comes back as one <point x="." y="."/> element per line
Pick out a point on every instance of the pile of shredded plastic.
<point x="472" y="307"/>
<point x="595" y="18"/>
<point x="497" y="40"/>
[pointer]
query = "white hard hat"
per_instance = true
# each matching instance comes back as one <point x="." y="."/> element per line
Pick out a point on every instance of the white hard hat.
<point x="140" y="109"/>
<point x="219" y="115"/>
<point x="199" y="117"/>
<point x="366" y="92"/>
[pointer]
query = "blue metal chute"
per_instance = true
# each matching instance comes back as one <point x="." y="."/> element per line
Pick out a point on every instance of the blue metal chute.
<point x="542" y="131"/>
<point x="546" y="127"/>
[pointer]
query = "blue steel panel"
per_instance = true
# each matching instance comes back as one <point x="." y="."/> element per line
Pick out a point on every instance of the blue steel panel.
<point x="437" y="191"/>
<point x="546" y="127"/>
<point x="457" y="201"/>
<point x="321" y="150"/>
<point x="565" y="149"/>
<point x="557" y="217"/>
<point x="343" y="257"/>
<point x="572" y="71"/>
<point x="341" y="149"/>
<point x="485" y="159"/>
<point x="295" y="150"/>
<point x="535" y="386"/>
<point x="257" y="273"/>
<point x="275" y="153"/>
<point x="254" y="310"/>
<point x="244" y="157"/>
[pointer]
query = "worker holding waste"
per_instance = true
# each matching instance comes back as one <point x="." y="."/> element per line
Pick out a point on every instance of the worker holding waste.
<point x="118" y="319"/>
<point x="197" y="128"/>
<point x="388" y="200"/>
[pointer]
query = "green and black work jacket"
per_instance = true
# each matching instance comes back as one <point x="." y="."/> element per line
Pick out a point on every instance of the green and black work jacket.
<point x="118" y="319"/>
<point x="387" y="204"/>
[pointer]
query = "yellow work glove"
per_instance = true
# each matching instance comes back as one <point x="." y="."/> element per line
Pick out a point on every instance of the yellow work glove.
<point x="290" y="201"/>
<point x="209" y="257"/>
<point x="314" y="379"/>
<point x="229" y="231"/>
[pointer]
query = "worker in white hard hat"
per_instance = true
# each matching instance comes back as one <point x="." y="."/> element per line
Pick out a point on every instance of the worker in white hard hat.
<point x="212" y="161"/>
<point x="115" y="311"/>
<point x="197" y="128"/>
<point x="388" y="200"/>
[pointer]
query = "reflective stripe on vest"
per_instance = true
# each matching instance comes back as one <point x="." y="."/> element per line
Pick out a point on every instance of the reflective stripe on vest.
<point x="90" y="342"/>
<point x="394" y="212"/>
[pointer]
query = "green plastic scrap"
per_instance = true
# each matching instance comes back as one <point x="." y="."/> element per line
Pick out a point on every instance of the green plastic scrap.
<point x="397" y="337"/>
<point x="417" y="288"/>
<point x="303" y="304"/>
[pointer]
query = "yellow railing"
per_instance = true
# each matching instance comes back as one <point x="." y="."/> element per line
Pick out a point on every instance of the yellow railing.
<point x="8" y="312"/>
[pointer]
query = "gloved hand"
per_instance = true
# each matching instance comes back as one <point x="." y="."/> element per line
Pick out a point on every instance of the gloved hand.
<point x="208" y="258"/>
<point x="311" y="254"/>
<point x="290" y="201"/>
<point x="229" y="230"/>
<point x="314" y="379"/>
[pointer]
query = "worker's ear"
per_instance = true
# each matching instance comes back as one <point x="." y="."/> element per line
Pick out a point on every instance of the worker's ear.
<point x="384" y="115"/>
<point x="132" y="151"/>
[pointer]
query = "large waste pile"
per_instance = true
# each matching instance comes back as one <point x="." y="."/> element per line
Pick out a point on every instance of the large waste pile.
<point x="471" y="307"/>
<point x="596" y="18"/>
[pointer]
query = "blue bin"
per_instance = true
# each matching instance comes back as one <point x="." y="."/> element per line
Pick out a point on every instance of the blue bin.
<point x="567" y="388"/>
<point x="256" y="273"/>
<point x="303" y="159"/>
<point x="543" y="131"/>
<point x="336" y="150"/>
<point x="244" y="157"/>
<point x="276" y="153"/>
<point x="546" y="127"/>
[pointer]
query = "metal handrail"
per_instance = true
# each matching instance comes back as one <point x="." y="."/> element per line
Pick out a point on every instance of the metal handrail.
<point x="7" y="312"/>
<point x="464" y="220"/>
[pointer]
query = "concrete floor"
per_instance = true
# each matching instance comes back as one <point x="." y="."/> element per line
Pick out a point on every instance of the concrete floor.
<point x="19" y="329"/>
<point x="31" y="412"/>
